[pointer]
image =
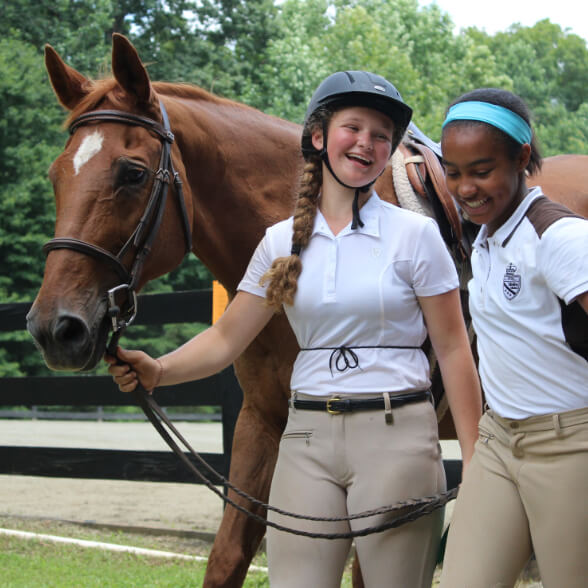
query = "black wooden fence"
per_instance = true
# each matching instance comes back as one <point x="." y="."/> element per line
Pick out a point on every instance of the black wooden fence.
<point x="83" y="391"/>
<point x="155" y="466"/>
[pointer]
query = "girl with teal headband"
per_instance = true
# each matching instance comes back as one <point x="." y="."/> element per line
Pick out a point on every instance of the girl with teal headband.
<point x="525" y="485"/>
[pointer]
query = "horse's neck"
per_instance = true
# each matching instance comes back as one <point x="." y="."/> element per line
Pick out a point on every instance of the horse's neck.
<point x="241" y="167"/>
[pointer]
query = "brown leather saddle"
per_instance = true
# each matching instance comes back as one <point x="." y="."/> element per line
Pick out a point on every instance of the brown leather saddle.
<point x="422" y="159"/>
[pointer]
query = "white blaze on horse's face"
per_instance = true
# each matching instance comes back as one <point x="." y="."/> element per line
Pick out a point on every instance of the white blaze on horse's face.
<point x="89" y="147"/>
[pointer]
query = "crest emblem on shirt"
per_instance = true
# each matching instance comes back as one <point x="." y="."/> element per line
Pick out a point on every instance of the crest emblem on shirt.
<point x="511" y="282"/>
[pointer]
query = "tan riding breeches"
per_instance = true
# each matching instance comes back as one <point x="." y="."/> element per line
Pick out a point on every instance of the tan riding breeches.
<point x="335" y="465"/>
<point x="525" y="490"/>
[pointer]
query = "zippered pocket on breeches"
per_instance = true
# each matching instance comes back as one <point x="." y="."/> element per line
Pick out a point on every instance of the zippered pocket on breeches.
<point x="306" y="435"/>
<point x="485" y="436"/>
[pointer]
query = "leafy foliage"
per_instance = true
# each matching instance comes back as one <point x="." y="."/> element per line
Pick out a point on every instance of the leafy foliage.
<point x="30" y="138"/>
<point x="549" y="69"/>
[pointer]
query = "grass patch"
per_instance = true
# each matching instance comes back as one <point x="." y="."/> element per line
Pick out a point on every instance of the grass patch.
<point x="28" y="563"/>
<point x="32" y="563"/>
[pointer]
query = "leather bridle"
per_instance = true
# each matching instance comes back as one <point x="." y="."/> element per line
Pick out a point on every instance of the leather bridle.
<point x="146" y="231"/>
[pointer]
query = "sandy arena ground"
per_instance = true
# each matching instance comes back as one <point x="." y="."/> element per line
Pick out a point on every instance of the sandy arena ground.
<point x="182" y="507"/>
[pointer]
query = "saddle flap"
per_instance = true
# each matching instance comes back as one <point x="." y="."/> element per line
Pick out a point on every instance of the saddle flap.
<point x="426" y="176"/>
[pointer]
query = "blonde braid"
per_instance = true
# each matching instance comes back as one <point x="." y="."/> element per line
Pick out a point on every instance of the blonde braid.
<point x="283" y="275"/>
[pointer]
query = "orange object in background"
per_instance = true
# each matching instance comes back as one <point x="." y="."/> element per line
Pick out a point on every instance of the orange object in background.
<point x="220" y="299"/>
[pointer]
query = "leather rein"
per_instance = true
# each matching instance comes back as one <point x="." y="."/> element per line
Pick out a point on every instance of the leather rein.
<point x="409" y="510"/>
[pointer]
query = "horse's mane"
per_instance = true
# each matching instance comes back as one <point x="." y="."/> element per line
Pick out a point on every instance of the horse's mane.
<point x="186" y="90"/>
<point x="198" y="94"/>
<point x="99" y="89"/>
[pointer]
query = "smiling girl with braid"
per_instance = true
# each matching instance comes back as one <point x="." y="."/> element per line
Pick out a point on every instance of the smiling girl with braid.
<point x="362" y="283"/>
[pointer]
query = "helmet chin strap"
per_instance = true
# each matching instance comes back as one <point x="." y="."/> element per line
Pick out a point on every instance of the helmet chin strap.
<point x="356" y="220"/>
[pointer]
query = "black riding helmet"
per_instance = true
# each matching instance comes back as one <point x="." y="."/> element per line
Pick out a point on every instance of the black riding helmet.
<point x="358" y="88"/>
<point x="355" y="88"/>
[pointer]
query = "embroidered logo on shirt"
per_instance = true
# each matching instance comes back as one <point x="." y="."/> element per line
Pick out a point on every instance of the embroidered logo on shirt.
<point x="511" y="283"/>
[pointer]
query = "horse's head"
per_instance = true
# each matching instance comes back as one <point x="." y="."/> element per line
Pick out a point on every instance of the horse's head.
<point x="113" y="228"/>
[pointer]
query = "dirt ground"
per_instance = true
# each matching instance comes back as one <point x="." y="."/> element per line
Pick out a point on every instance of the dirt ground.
<point x="175" y="507"/>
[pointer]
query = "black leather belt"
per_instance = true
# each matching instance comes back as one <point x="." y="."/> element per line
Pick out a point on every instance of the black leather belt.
<point x="336" y="405"/>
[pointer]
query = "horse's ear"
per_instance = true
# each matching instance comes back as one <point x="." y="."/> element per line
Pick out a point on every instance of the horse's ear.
<point x="129" y="71"/>
<point x="69" y="85"/>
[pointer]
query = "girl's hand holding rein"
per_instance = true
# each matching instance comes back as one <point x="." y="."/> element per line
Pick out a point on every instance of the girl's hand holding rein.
<point x="204" y="355"/>
<point x="137" y="367"/>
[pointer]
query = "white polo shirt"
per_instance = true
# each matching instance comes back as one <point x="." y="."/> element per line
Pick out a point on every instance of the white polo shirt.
<point x="359" y="289"/>
<point x="524" y="276"/>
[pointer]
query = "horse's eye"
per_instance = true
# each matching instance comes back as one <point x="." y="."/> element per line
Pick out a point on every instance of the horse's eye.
<point x="129" y="174"/>
<point x="133" y="176"/>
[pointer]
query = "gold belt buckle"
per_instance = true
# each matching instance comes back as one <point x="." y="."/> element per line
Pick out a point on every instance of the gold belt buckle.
<point x="329" y="409"/>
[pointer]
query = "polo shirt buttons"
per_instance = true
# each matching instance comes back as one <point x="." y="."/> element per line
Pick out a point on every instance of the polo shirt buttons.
<point x="330" y="271"/>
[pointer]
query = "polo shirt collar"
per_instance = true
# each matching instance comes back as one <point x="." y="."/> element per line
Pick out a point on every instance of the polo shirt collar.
<point x="369" y="216"/>
<point x="506" y="231"/>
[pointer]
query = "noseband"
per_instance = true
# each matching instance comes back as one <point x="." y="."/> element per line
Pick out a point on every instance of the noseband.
<point x="146" y="231"/>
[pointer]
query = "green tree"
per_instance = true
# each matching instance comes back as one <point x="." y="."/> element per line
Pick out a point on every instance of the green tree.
<point x="30" y="136"/>
<point x="79" y="30"/>
<point x="292" y="62"/>
<point x="561" y="131"/>
<point x="412" y="46"/>
<point x="549" y="70"/>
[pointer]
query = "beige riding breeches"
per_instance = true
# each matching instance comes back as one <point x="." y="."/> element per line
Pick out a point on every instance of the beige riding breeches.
<point x="525" y="490"/>
<point x="335" y="465"/>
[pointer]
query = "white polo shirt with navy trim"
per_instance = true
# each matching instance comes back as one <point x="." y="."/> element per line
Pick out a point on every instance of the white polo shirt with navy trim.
<point x="359" y="289"/>
<point x="526" y="277"/>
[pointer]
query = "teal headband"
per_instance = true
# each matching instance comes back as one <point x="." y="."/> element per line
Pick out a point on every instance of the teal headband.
<point x="497" y="116"/>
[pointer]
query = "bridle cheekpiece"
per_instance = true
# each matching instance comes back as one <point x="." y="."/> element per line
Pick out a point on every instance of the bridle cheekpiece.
<point x="146" y="230"/>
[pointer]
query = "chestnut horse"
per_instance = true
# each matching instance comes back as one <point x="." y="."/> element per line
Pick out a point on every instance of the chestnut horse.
<point x="239" y="169"/>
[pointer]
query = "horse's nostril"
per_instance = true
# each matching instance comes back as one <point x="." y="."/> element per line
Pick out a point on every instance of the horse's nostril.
<point x="66" y="340"/>
<point x="70" y="330"/>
